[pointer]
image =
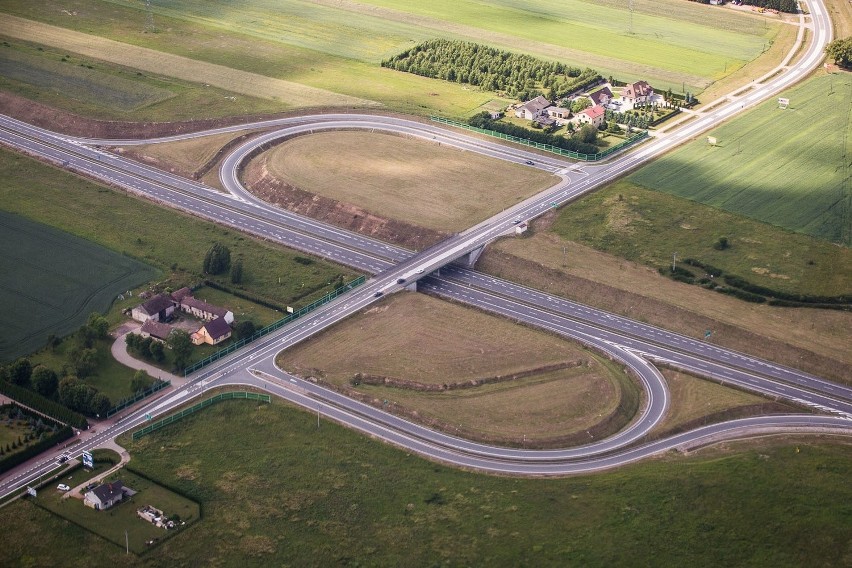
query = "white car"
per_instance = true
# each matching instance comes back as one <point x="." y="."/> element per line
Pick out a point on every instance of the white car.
<point x="63" y="487"/>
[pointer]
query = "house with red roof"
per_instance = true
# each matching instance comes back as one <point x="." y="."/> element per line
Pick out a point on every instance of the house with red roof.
<point x="592" y="115"/>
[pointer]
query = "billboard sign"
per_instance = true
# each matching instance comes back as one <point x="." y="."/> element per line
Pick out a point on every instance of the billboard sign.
<point x="88" y="461"/>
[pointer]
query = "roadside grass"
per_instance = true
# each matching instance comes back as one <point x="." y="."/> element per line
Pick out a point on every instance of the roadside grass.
<point x="809" y="339"/>
<point x="275" y="490"/>
<point x="647" y="226"/>
<point x="57" y="281"/>
<point x="784" y="167"/>
<point x="120" y="524"/>
<point x="92" y="87"/>
<point x="417" y="338"/>
<point x="444" y="189"/>
<point x="693" y="399"/>
<point x="171" y="241"/>
<point x="841" y="17"/>
<point x="336" y="46"/>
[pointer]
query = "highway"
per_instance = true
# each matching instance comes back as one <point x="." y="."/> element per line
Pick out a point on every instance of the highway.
<point x="630" y="342"/>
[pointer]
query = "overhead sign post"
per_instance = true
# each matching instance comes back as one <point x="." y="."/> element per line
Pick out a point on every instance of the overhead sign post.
<point x="783" y="102"/>
<point x="88" y="460"/>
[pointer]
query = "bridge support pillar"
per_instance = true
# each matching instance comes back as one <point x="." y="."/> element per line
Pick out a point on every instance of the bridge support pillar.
<point x="468" y="260"/>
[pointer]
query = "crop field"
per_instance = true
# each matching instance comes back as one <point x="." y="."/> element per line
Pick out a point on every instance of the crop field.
<point x="336" y="497"/>
<point x="336" y="46"/>
<point x="789" y="168"/>
<point x="417" y="182"/>
<point x="175" y="243"/>
<point x="413" y="337"/>
<point x="58" y="280"/>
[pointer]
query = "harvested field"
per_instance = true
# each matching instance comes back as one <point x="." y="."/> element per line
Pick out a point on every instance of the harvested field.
<point x="415" y="182"/>
<point x="412" y="337"/>
<point x="57" y="281"/>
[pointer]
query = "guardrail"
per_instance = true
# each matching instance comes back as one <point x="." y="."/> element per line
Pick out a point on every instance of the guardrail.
<point x="274" y="326"/>
<point x="546" y="147"/>
<point x="240" y="395"/>
<point x="131" y="400"/>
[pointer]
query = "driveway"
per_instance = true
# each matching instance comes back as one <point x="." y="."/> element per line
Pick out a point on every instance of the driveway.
<point x="120" y="354"/>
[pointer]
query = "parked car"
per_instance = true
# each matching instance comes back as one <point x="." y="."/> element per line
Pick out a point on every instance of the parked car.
<point x="63" y="487"/>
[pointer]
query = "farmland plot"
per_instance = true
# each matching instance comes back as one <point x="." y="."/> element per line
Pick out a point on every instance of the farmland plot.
<point x="788" y="167"/>
<point x="51" y="281"/>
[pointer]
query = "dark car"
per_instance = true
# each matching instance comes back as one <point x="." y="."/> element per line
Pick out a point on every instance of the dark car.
<point x="401" y="281"/>
<point x="530" y="163"/>
<point x="377" y="294"/>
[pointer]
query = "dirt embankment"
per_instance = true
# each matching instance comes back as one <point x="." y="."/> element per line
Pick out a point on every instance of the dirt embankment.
<point x="260" y="182"/>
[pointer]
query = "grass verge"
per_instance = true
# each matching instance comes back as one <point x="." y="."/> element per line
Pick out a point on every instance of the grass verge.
<point x="275" y="490"/>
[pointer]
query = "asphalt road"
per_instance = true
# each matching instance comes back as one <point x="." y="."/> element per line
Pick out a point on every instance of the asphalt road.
<point x="623" y="339"/>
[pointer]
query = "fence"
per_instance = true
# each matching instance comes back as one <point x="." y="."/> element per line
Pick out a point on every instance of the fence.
<point x="131" y="400"/>
<point x="274" y="326"/>
<point x="546" y="147"/>
<point x="195" y="408"/>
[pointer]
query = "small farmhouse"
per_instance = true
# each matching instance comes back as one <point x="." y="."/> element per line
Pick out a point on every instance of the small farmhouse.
<point x="214" y="331"/>
<point x="592" y="115"/>
<point x="104" y="496"/>
<point x="533" y="109"/>
<point x="601" y="97"/>
<point x="205" y="311"/>
<point x="158" y="308"/>
<point x="560" y="114"/>
<point x="157" y="330"/>
<point x="637" y="93"/>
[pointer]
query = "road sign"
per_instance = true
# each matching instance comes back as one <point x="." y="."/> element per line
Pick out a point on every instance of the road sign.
<point x="783" y="102"/>
<point x="88" y="460"/>
<point x="148" y="417"/>
<point x="712" y="140"/>
<point x="708" y="333"/>
<point x="31" y="491"/>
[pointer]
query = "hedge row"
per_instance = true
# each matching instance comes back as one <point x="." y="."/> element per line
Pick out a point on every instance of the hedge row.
<point x="44" y="405"/>
<point x="484" y="121"/>
<point x="18" y="458"/>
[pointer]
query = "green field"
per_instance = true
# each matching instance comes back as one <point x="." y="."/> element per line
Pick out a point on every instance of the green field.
<point x="92" y="87"/>
<point x="172" y="242"/>
<point x="57" y="281"/>
<point x="337" y="45"/>
<point x="276" y="491"/>
<point x="789" y="168"/>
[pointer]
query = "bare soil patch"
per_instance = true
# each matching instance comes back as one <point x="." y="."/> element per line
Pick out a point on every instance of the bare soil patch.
<point x="468" y="373"/>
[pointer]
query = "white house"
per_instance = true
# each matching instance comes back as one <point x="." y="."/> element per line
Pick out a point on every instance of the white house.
<point x="637" y="93"/>
<point x="205" y="311"/>
<point x="532" y="109"/>
<point x="104" y="496"/>
<point x="592" y="115"/>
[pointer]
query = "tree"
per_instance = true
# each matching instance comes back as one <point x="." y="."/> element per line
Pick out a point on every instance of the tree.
<point x="587" y="134"/>
<point x="98" y="324"/>
<point x="580" y="103"/>
<point x="156" y="351"/>
<point x="237" y="271"/>
<point x="217" y="260"/>
<point x="85" y="361"/>
<point x="841" y="51"/>
<point x="141" y="381"/>
<point x="20" y="371"/>
<point x="722" y="243"/>
<point x="245" y="328"/>
<point x="181" y="345"/>
<point x="100" y="405"/>
<point x="45" y="381"/>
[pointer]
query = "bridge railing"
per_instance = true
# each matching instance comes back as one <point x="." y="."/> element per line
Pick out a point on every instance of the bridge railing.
<point x="546" y="147"/>
<point x="274" y="326"/>
<point x="242" y="395"/>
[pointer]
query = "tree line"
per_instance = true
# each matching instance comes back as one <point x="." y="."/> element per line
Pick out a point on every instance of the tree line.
<point x="580" y="142"/>
<point x="520" y="76"/>
<point x="788" y="6"/>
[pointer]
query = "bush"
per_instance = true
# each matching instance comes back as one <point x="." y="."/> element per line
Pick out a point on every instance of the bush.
<point x="217" y="260"/>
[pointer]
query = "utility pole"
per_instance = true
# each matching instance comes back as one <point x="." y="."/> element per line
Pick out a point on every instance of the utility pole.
<point x="149" y="17"/>
<point x="674" y="261"/>
<point x="126" y="542"/>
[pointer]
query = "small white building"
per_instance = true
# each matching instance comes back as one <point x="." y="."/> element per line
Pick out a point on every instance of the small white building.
<point x="592" y="115"/>
<point x="205" y="311"/>
<point x="104" y="496"/>
<point x="158" y="308"/>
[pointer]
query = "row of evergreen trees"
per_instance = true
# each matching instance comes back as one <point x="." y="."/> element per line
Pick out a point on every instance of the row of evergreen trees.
<point x="518" y="75"/>
<point x="573" y="144"/>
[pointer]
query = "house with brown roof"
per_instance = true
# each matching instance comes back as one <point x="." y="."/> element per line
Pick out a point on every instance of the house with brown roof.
<point x="104" y="496"/>
<point x="182" y="293"/>
<point x="533" y="109"/>
<point x="205" y="311"/>
<point x="601" y="97"/>
<point x="592" y="115"/>
<point x="156" y="330"/>
<point x="213" y="332"/>
<point x="639" y="92"/>
<point x="158" y="308"/>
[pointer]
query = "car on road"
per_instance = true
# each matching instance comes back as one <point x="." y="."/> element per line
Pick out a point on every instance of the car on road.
<point x="419" y="271"/>
<point x="401" y="281"/>
<point x="377" y="294"/>
<point x="63" y="487"/>
<point x="530" y="163"/>
<point x="517" y="220"/>
<point x="64" y="458"/>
